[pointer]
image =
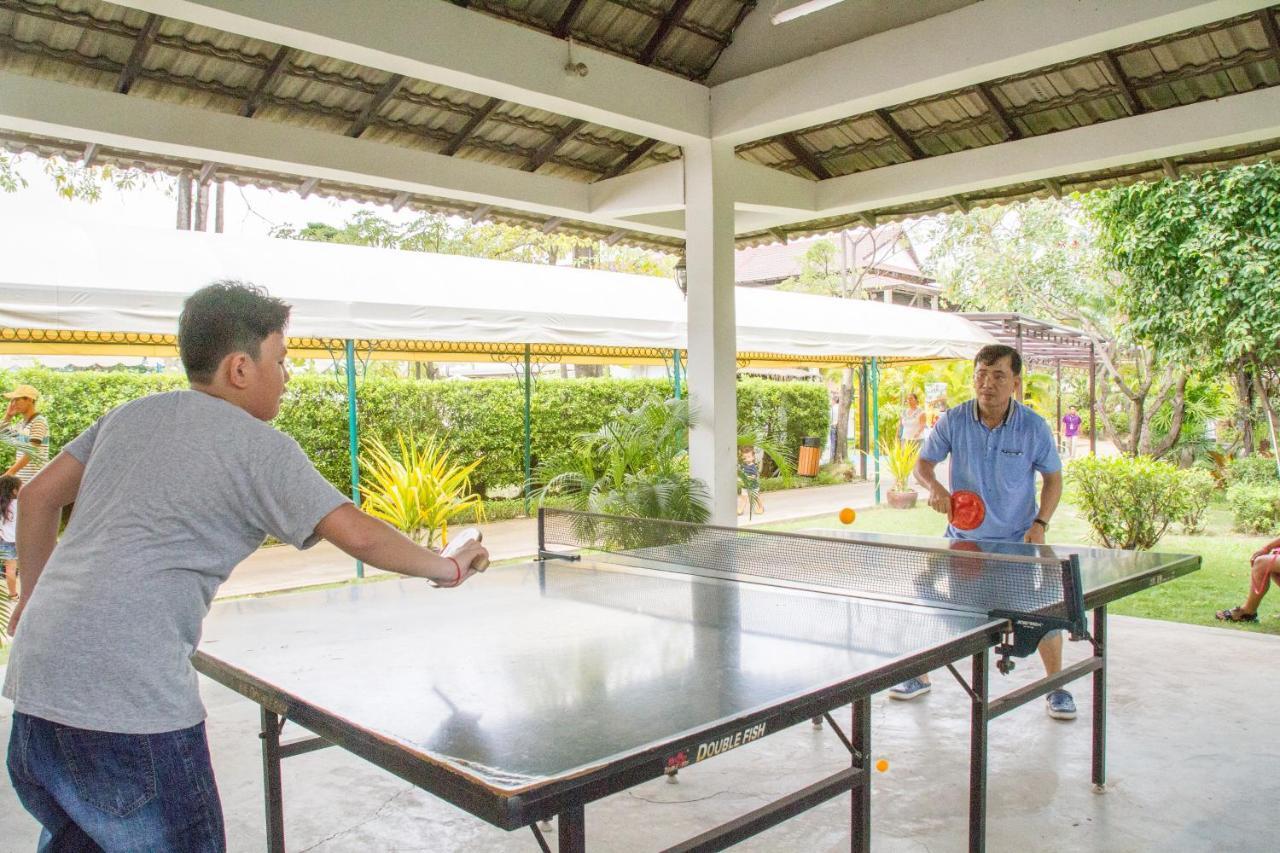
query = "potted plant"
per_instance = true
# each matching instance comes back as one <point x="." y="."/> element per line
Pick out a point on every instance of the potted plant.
<point x="901" y="458"/>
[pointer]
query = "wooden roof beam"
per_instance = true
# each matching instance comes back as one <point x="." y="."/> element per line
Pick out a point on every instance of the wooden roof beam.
<point x="371" y="109"/>
<point x="552" y="224"/>
<point x="988" y="98"/>
<point x="898" y="135"/>
<point x="479" y="213"/>
<point x="806" y="157"/>
<point x="90" y="154"/>
<point x="269" y="76"/>
<point x="400" y="201"/>
<point x="136" y="57"/>
<point x="1123" y="87"/>
<point x="1268" y="22"/>
<point x="478" y="117"/>
<point x="565" y="24"/>
<point x="206" y="172"/>
<point x="665" y="26"/>
<point x="630" y="159"/>
<point x="307" y="187"/>
<point x="543" y="154"/>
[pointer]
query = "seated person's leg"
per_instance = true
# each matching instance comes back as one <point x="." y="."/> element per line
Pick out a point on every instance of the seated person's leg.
<point x="1263" y="571"/>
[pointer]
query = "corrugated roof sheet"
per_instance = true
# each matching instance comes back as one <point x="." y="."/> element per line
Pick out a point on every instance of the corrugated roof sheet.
<point x="91" y="43"/>
<point x="1218" y="60"/>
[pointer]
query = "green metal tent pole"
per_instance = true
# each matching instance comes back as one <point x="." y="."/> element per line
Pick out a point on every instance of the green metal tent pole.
<point x="875" y="421"/>
<point x="528" y="428"/>
<point x="353" y="445"/>
<point x="675" y="370"/>
<point x="864" y="428"/>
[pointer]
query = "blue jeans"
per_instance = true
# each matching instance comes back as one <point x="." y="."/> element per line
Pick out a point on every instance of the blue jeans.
<point x="95" y="791"/>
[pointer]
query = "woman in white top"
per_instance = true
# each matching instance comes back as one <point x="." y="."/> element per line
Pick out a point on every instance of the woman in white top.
<point x="913" y="420"/>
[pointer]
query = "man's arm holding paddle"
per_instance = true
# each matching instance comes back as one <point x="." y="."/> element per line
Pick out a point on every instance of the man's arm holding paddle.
<point x="926" y="475"/>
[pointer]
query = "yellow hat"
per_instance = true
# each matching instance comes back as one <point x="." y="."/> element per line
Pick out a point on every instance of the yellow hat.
<point x="23" y="391"/>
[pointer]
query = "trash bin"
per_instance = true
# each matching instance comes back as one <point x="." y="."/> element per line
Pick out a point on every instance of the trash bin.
<point x="810" y="453"/>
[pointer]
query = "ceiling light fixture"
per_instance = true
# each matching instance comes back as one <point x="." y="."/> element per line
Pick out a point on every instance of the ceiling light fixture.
<point x="799" y="11"/>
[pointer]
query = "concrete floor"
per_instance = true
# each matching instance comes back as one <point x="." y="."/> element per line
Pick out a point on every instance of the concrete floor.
<point x="1192" y="767"/>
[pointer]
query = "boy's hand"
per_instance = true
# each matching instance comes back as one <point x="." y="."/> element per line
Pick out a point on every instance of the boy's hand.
<point x="472" y="558"/>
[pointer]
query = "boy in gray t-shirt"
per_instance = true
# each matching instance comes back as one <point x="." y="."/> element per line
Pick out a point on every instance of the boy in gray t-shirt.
<point x="171" y="491"/>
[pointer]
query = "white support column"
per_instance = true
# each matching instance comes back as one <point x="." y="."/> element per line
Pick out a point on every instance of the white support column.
<point x="708" y="186"/>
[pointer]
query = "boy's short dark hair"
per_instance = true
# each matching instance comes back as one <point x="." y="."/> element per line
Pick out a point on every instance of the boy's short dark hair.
<point x="226" y="317"/>
<point x="992" y="353"/>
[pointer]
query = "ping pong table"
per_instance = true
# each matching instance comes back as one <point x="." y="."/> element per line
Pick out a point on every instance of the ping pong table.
<point x="633" y="648"/>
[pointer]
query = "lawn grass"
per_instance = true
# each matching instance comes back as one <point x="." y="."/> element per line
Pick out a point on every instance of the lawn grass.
<point x="1221" y="581"/>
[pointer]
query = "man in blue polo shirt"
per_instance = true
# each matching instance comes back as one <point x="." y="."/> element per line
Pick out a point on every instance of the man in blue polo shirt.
<point x="996" y="446"/>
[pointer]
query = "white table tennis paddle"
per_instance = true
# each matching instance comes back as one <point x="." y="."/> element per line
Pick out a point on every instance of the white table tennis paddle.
<point x="462" y="538"/>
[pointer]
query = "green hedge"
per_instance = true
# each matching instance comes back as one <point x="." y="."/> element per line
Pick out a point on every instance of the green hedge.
<point x="1131" y="501"/>
<point x="1254" y="508"/>
<point x="1253" y="470"/>
<point x="480" y="417"/>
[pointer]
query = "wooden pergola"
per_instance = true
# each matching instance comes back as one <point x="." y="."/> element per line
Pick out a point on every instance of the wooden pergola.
<point x="1043" y="342"/>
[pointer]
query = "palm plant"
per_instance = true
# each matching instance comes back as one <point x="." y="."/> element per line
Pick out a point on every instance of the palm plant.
<point x="417" y="488"/>
<point x="635" y="465"/>
<point x="901" y="459"/>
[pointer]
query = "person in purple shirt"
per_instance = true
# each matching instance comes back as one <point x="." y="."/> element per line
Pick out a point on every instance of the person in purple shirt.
<point x="1070" y="429"/>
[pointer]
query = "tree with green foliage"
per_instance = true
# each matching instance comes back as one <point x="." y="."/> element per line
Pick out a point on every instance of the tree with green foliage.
<point x="1038" y="258"/>
<point x="436" y="232"/>
<point x="1200" y="259"/>
<point x="819" y="273"/>
<point x="822" y="274"/>
<point x="73" y="180"/>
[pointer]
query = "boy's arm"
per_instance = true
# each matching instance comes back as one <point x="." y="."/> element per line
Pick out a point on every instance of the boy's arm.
<point x="41" y="503"/>
<point x="382" y="546"/>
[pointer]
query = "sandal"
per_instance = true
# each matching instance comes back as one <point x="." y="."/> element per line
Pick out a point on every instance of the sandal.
<point x="1235" y="614"/>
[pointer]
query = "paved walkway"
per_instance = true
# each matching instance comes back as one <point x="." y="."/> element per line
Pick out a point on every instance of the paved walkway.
<point x="282" y="567"/>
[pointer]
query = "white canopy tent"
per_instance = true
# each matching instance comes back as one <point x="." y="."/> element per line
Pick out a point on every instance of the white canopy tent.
<point x="132" y="281"/>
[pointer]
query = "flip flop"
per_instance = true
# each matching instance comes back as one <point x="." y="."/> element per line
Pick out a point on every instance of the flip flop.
<point x="1235" y="614"/>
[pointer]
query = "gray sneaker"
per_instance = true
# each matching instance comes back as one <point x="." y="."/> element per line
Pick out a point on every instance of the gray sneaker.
<point x="1060" y="705"/>
<point x="910" y="689"/>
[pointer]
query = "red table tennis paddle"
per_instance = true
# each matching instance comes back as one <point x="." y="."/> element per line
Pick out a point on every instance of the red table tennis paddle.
<point x="968" y="567"/>
<point x="967" y="510"/>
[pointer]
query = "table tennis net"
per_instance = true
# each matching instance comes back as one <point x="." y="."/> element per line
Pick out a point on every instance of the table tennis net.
<point x="955" y="578"/>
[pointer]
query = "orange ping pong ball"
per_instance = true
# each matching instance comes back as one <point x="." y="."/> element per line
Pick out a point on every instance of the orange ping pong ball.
<point x="882" y="765"/>
<point x="847" y="515"/>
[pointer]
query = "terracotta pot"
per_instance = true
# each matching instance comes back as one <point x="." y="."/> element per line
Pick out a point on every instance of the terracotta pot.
<point x="902" y="500"/>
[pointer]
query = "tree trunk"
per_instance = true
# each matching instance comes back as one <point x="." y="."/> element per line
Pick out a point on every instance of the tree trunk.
<point x="219" y="205"/>
<point x="840" y="452"/>
<point x="1244" y="412"/>
<point x="184" y="201"/>
<point x="202" y="207"/>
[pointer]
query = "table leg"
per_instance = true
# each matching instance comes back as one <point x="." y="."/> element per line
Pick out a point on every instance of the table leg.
<point x="1100" y="700"/>
<point x="860" y="738"/>
<point x="978" y="756"/>
<point x="572" y="830"/>
<point x="272" y="790"/>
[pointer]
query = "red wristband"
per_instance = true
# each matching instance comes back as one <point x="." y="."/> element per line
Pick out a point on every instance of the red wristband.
<point x="458" y="577"/>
